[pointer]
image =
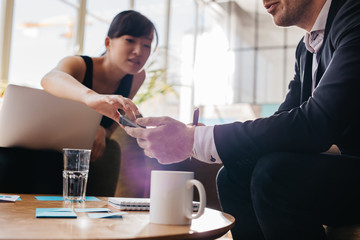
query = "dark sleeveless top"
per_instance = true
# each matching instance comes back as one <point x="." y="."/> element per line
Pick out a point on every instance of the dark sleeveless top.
<point x="123" y="89"/>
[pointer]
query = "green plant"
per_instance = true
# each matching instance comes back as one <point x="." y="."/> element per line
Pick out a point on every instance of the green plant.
<point x="154" y="84"/>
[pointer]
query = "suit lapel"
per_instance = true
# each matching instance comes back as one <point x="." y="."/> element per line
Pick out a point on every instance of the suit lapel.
<point x="334" y="8"/>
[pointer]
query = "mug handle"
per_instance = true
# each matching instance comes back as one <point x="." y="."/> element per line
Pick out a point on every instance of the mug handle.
<point x="202" y="195"/>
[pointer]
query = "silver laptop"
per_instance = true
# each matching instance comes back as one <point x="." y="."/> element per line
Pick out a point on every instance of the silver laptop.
<point x="34" y="119"/>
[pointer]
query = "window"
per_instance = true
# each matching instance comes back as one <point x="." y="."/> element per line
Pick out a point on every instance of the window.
<point x="41" y="37"/>
<point x="156" y="11"/>
<point x="264" y="54"/>
<point x="98" y="19"/>
<point x="6" y="10"/>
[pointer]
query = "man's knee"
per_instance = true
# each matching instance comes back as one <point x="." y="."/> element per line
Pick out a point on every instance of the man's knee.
<point x="273" y="177"/>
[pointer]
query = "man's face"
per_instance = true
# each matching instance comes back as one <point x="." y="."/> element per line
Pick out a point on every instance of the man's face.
<point x="289" y="12"/>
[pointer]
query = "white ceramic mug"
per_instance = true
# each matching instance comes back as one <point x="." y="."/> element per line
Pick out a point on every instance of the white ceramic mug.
<point x="171" y="197"/>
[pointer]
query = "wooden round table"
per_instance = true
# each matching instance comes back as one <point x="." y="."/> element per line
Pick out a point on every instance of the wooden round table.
<point x="18" y="221"/>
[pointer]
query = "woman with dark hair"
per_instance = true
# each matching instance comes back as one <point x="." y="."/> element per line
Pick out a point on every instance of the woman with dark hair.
<point x="107" y="83"/>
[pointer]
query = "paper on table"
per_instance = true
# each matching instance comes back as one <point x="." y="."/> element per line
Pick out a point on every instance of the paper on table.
<point x="55" y="213"/>
<point x="136" y="204"/>
<point x="92" y="210"/>
<point x="8" y="198"/>
<point x="90" y="198"/>
<point x="59" y="198"/>
<point x="107" y="215"/>
<point x="123" y="203"/>
<point x="49" y="198"/>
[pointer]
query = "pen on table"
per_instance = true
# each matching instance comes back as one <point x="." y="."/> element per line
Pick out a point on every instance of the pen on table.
<point x="196" y="117"/>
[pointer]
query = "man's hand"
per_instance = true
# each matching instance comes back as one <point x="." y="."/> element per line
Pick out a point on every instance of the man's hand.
<point x="166" y="139"/>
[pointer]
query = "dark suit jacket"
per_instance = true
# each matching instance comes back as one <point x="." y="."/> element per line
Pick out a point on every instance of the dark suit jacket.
<point x="305" y="122"/>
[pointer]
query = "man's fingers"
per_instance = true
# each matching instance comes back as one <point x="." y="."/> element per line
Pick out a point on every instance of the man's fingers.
<point x="141" y="142"/>
<point x="135" y="132"/>
<point x="149" y="154"/>
<point x="153" y="121"/>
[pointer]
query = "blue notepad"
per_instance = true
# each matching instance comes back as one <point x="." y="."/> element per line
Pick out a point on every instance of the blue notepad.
<point x="107" y="215"/>
<point x="49" y="198"/>
<point x="92" y="210"/>
<point x="55" y="213"/>
<point x="90" y="198"/>
<point x="59" y="198"/>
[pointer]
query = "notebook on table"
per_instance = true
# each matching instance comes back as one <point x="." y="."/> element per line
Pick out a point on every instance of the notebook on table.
<point x="136" y="204"/>
<point x="34" y="119"/>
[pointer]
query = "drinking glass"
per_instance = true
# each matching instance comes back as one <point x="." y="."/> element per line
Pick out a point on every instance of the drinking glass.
<point x="75" y="174"/>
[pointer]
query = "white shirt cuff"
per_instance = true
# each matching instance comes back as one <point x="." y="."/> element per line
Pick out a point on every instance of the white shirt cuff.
<point x="204" y="145"/>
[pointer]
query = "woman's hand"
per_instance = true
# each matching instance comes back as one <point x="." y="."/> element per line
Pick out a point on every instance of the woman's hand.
<point x="109" y="105"/>
<point x="99" y="144"/>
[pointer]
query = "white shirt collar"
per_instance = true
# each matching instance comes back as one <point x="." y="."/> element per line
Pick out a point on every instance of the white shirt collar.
<point x="314" y="39"/>
<point x="320" y="22"/>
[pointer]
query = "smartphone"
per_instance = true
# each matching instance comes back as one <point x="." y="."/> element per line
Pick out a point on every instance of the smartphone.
<point x="126" y="122"/>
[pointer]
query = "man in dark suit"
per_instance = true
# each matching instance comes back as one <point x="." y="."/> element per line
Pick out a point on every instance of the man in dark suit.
<point x="287" y="175"/>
